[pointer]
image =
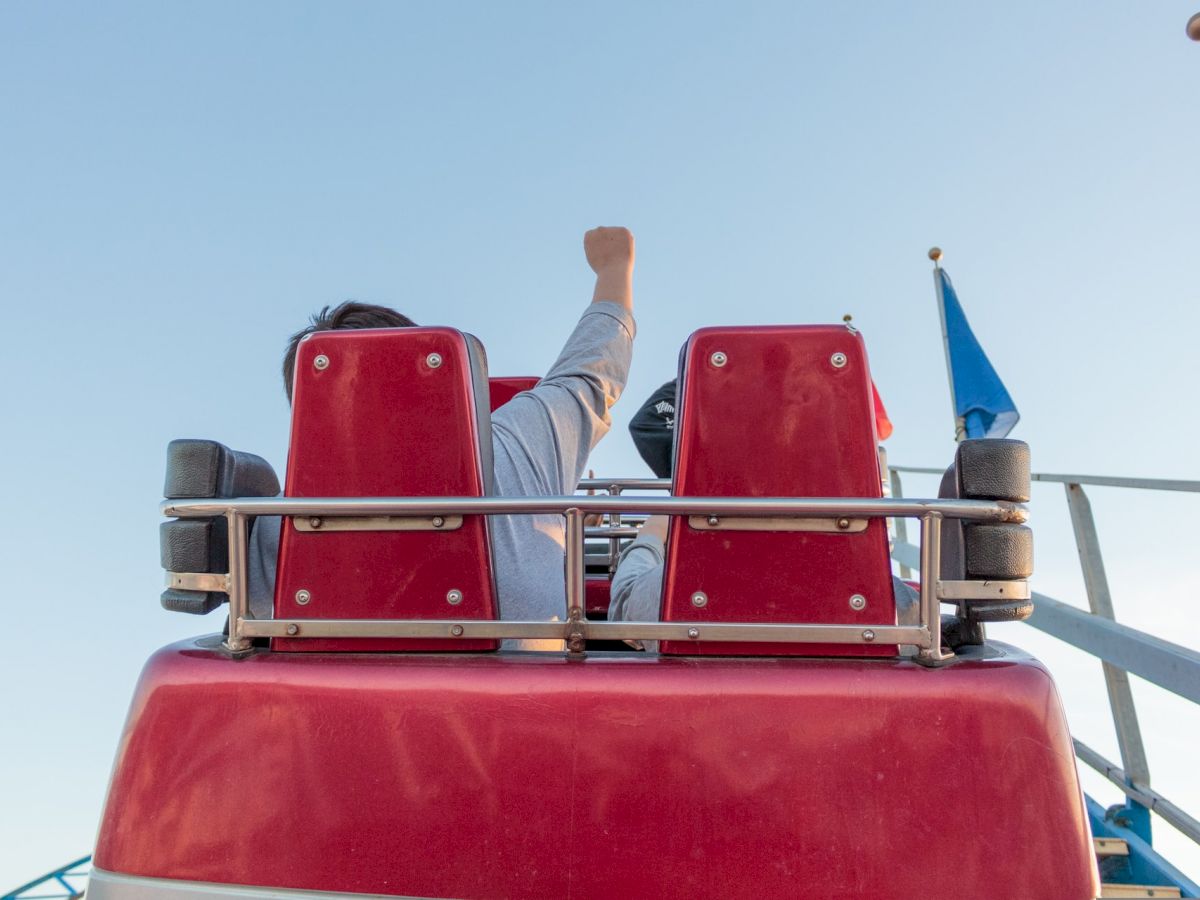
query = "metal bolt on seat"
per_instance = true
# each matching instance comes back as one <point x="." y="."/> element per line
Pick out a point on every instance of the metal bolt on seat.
<point x="699" y="599"/>
<point x="303" y="596"/>
<point x="454" y="597"/>
<point x="718" y="359"/>
<point x="321" y="362"/>
<point x="858" y="601"/>
<point x="433" y="360"/>
<point x="838" y="360"/>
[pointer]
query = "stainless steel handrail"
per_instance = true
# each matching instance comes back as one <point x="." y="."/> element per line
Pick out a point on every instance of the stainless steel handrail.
<point x="625" y="484"/>
<point x="1145" y="484"/>
<point x="765" y="507"/>
<point x="925" y="637"/>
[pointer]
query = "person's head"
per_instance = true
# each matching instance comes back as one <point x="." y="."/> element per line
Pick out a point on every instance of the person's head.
<point x="345" y="315"/>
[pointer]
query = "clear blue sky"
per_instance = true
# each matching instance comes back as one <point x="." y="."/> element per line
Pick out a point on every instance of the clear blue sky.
<point x="180" y="185"/>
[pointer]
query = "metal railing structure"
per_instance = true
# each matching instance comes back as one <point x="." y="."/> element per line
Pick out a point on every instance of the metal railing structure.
<point x="576" y="629"/>
<point x="66" y="883"/>
<point x="1122" y="650"/>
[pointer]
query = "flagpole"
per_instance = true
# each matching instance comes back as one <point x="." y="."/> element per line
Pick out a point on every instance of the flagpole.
<point x="935" y="253"/>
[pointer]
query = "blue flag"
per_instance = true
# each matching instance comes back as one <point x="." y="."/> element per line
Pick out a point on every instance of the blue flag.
<point x="980" y="399"/>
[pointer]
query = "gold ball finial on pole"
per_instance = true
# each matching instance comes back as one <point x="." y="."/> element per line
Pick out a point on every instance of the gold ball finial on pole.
<point x="847" y="318"/>
<point x="935" y="253"/>
<point x="1193" y="27"/>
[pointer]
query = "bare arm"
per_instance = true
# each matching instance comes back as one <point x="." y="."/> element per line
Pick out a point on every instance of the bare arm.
<point x="610" y="253"/>
<point x="657" y="526"/>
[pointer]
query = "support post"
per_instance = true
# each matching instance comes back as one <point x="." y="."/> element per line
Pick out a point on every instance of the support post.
<point x="931" y="610"/>
<point x="614" y="544"/>
<point x="1116" y="680"/>
<point x="901" y="523"/>
<point x="575" y="582"/>
<point x="239" y="599"/>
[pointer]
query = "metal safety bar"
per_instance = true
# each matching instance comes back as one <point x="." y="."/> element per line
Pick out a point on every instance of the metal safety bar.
<point x="1145" y="484"/>
<point x="926" y="636"/>
<point x="1121" y="650"/>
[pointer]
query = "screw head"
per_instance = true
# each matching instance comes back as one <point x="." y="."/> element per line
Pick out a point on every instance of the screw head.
<point x="303" y="596"/>
<point x="868" y="635"/>
<point x="293" y="629"/>
<point x="433" y="360"/>
<point x="843" y="523"/>
<point x="454" y="597"/>
<point x="314" y="522"/>
<point x="714" y="521"/>
<point x="718" y="359"/>
<point x="858" y="601"/>
<point x="838" y="360"/>
<point x="438" y="521"/>
<point x="693" y="633"/>
<point x="321" y="361"/>
<point x="457" y="630"/>
<point x="699" y="599"/>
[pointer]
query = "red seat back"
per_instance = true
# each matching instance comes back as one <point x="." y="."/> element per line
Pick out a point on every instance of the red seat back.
<point x="387" y="413"/>
<point x="501" y="390"/>
<point x="780" y="411"/>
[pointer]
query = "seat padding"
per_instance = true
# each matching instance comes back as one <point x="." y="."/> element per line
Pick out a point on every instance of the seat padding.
<point x="202" y="469"/>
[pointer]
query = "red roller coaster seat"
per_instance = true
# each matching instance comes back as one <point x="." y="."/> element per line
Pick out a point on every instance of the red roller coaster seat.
<point x="782" y="411"/>
<point x="388" y="413"/>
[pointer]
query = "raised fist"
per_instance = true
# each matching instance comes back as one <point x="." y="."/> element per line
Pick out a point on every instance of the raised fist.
<point x="609" y="250"/>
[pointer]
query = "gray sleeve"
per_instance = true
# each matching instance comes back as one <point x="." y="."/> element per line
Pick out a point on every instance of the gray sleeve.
<point x="908" y="603"/>
<point x="264" y="555"/>
<point x="636" y="591"/>
<point x="559" y="421"/>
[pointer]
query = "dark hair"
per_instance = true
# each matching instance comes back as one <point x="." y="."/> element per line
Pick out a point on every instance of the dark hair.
<point x="349" y="314"/>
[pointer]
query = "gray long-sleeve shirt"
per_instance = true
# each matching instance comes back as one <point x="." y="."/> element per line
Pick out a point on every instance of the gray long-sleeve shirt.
<point x="540" y="444"/>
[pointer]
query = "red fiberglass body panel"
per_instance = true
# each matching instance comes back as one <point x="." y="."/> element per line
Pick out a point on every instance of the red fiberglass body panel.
<point x="783" y="411"/>
<point x="521" y="775"/>
<point x="375" y="419"/>
<point x="501" y="390"/>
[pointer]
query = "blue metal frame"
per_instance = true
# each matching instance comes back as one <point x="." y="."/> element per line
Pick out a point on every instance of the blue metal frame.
<point x="56" y="880"/>
<point x="1143" y="865"/>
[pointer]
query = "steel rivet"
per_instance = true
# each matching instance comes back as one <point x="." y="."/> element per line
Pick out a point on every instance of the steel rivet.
<point x="433" y="360"/>
<point x="693" y="633"/>
<point x="314" y="522"/>
<point x="457" y="631"/>
<point x="293" y="629"/>
<point x="838" y="360"/>
<point x="454" y="597"/>
<point x="718" y="359"/>
<point x="438" y="521"/>
<point x="714" y="521"/>
<point x="843" y="523"/>
<point x="858" y="601"/>
<point x="303" y="596"/>
<point x="321" y="361"/>
<point x="868" y="635"/>
<point x="699" y="599"/>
